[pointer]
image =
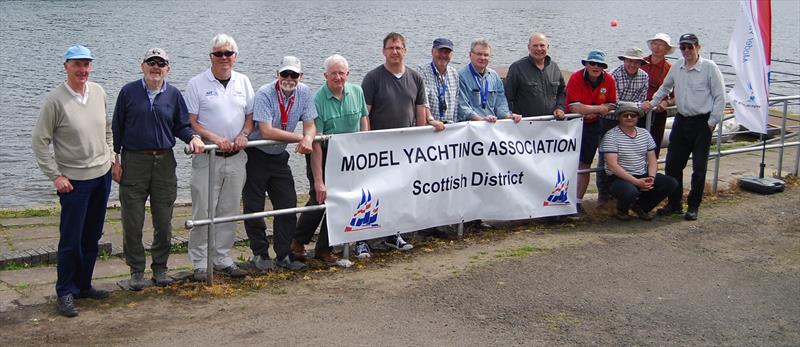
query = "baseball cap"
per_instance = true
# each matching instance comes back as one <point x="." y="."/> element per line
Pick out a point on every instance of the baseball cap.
<point x="78" y="52"/>
<point x="290" y="63"/>
<point x="689" y="38"/>
<point x="442" y="43"/>
<point x="155" y="52"/>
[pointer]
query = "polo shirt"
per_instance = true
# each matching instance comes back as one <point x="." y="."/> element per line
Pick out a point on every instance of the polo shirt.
<point x="698" y="90"/>
<point x="220" y="109"/>
<point x="267" y="109"/>
<point x="656" y="74"/>
<point x="470" y="95"/>
<point x="336" y="116"/>
<point x="580" y="90"/>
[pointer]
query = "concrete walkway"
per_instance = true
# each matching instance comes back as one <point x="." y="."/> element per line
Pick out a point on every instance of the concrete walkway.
<point x="30" y="241"/>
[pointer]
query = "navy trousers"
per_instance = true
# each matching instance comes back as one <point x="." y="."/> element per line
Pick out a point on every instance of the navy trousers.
<point x="689" y="135"/>
<point x="83" y="213"/>
<point x="626" y="193"/>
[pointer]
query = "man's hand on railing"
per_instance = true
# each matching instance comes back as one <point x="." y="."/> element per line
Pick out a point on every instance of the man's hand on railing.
<point x="559" y="114"/>
<point x="304" y="145"/>
<point x="239" y="143"/>
<point x="196" y="145"/>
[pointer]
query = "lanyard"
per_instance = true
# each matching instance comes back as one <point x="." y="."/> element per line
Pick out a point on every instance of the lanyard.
<point x="485" y="90"/>
<point x="441" y="89"/>
<point x="284" y="110"/>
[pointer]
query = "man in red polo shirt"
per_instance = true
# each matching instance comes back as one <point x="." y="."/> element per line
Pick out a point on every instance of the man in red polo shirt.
<point x="657" y="67"/>
<point x="591" y="92"/>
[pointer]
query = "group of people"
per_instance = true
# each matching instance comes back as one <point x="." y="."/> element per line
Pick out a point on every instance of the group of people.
<point x="220" y="107"/>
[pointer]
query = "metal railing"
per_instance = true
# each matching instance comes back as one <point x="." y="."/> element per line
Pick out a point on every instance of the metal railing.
<point x="209" y="150"/>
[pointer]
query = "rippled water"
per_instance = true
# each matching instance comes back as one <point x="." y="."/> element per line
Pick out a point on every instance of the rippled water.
<point x="37" y="33"/>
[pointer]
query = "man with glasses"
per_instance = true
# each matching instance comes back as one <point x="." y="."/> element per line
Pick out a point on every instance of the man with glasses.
<point x="72" y="119"/>
<point x="700" y="98"/>
<point x="592" y="92"/>
<point x="149" y="114"/>
<point x="341" y="109"/>
<point x="278" y="107"/>
<point x="534" y="84"/>
<point x="395" y="97"/>
<point x="220" y="105"/>
<point x="482" y="96"/>
<point x="441" y="85"/>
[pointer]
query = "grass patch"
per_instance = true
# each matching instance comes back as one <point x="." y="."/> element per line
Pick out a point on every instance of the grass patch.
<point x="12" y="266"/>
<point x="104" y="255"/>
<point x="30" y="212"/>
<point x="21" y="285"/>
<point x="560" y="321"/>
<point x="517" y="252"/>
<point x="181" y="247"/>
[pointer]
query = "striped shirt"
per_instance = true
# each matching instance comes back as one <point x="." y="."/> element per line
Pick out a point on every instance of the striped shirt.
<point x="631" y="151"/>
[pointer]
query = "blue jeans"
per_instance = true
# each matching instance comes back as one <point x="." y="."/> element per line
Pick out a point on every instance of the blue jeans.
<point x="83" y="213"/>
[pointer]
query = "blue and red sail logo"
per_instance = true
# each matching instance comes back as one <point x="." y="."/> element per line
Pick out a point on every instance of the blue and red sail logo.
<point x="559" y="194"/>
<point x="366" y="216"/>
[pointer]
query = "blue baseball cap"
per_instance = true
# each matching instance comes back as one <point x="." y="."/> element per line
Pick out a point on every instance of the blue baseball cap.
<point x="78" y="52"/>
<point x="596" y="57"/>
<point x="442" y="43"/>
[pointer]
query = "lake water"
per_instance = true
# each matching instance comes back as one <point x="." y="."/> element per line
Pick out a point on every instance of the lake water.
<point x="118" y="32"/>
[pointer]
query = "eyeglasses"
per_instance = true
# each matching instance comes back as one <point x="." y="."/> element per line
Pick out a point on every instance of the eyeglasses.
<point x="687" y="47"/>
<point x="629" y="115"/>
<point x="160" y="63"/>
<point x="219" y="54"/>
<point x="592" y="63"/>
<point x="288" y="73"/>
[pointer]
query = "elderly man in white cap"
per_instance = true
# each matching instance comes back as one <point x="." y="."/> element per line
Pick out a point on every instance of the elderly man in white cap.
<point x="278" y="107"/>
<point x="631" y="87"/>
<point x="656" y="68"/>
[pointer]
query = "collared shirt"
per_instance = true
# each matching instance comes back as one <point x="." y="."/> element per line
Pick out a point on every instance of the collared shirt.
<point x="151" y="93"/>
<point x="581" y="91"/>
<point x="219" y="109"/>
<point x="267" y="109"/>
<point x="469" y="100"/>
<point x="656" y="72"/>
<point x="534" y="92"/>
<point x="450" y="80"/>
<point x="141" y="124"/>
<point x="336" y="116"/>
<point x="80" y="98"/>
<point x="698" y="90"/>
<point x="632" y="89"/>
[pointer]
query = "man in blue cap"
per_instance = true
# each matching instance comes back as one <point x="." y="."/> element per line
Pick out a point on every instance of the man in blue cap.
<point x="441" y="84"/>
<point x="73" y="120"/>
<point x="592" y="92"/>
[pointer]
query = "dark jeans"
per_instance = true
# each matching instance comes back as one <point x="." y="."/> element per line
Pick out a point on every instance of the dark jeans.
<point x="83" y="213"/>
<point x="602" y="178"/>
<point x="627" y="193"/>
<point x="271" y="174"/>
<point x="146" y="175"/>
<point x="308" y="221"/>
<point x="689" y="135"/>
<point x="659" y="122"/>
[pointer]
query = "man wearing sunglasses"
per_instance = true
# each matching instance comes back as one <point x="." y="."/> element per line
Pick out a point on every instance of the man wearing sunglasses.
<point x="592" y="92"/>
<point x="700" y="98"/>
<point x="220" y="105"/>
<point x="277" y="108"/>
<point x="441" y="85"/>
<point x="149" y="114"/>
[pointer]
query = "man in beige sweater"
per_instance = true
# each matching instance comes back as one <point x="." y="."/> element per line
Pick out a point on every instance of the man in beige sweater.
<point x="73" y="120"/>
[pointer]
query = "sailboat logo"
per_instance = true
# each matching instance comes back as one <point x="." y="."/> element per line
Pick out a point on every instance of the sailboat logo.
<point x="559" y="194"/>
<point x="366" y="216"/>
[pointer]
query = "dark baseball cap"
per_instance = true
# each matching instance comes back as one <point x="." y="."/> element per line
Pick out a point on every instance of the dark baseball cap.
<point x="442" y="43"/>
<point x="689" y="38"/>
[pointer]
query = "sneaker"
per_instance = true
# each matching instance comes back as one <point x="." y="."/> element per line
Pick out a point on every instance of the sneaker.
<point x="691" y="214"/>
<point x="622" y="215"/>
<point x="137" y="282"/>
<point x="199" y="275"/>
<point x="232" y="271"/>
<point x="289" y="263"/>
<point x="263" y="263"/>
<point x="161" y="279"/>
<point x="362" y="250"/>
<point x="641" y="213"/>
<point x="66" y="306"/>
<point x="93" y="293"/>
<point x="397" y="242"/>
<point x="668" y="210"/>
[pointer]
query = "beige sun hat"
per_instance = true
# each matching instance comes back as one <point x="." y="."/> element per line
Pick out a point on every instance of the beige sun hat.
<point x="666" y="39"/>
<point x="633" y="53"/>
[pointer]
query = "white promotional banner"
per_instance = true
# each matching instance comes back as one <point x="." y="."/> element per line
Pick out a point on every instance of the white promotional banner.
<point x="748" y="55"/>
<point x="392" y="181"/>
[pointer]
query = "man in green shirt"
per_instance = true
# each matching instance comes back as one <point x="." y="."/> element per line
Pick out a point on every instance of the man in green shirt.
<point x="341" y="109"/>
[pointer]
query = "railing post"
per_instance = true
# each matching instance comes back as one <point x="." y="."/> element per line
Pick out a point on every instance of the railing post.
<point x="649" y="120"/>
<point x="460" y="230"/>
<point x="211" y="204"/>
<point x="717" y="159"/>
<point x="783" y="137"/>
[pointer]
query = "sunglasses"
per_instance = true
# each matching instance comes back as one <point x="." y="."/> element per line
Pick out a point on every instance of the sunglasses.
<point x="292" y="74"/>
<point x="219" y="54"/>
<point x="629" y="115"/>
<point x="591" y="63"/>
<point x="160" y="63"/>
<point x="687" y="47"/>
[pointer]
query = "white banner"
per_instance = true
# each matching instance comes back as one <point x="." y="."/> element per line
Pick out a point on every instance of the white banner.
<point x="384" y="182"/>
<point x="747" y="54"/>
